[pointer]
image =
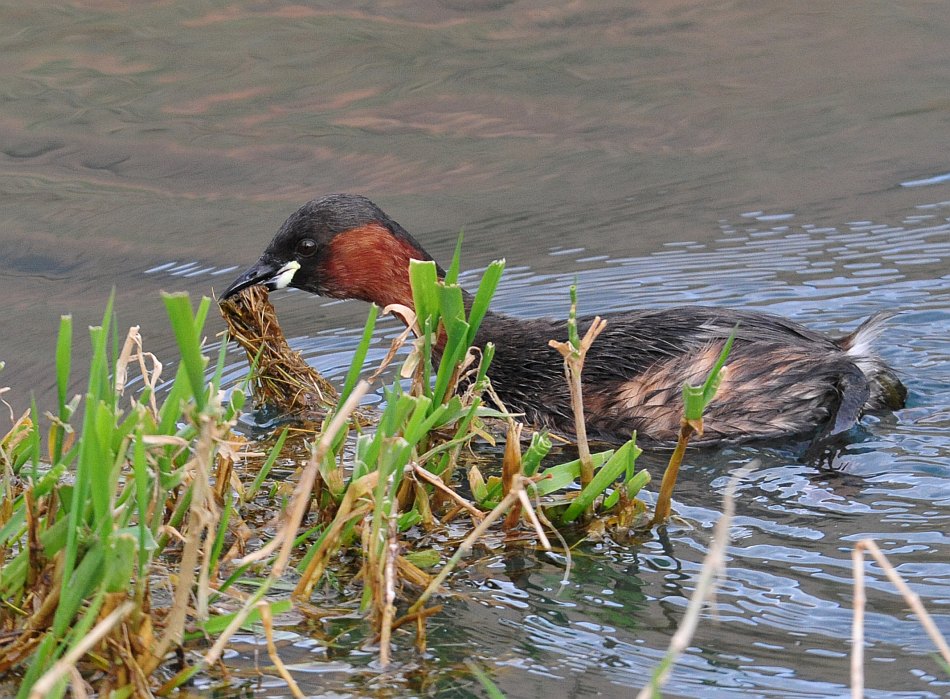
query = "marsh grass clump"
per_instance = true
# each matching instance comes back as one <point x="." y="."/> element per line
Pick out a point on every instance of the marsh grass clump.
<point x="143" y="492"/>
<point x="369" y="488"/>
<point x="280" y="377"/>
<point x="130" y="494"/>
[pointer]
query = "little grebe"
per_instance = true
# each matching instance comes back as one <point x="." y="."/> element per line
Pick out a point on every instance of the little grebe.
<point x="783" y="379"/>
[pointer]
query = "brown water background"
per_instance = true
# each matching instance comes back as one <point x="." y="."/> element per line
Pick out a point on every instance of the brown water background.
<point x="760" y="154"/>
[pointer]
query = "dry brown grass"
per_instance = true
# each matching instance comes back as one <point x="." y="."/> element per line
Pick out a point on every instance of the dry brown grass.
<point x="281" y="378"/>
<point x="860" y="599"/>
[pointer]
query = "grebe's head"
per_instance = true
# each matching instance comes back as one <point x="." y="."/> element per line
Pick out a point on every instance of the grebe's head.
<point x="342" y="246"/>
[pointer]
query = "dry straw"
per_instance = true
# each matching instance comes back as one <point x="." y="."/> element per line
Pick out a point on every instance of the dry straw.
<point x="857" y="626"/>
<point x="281" y="377"/>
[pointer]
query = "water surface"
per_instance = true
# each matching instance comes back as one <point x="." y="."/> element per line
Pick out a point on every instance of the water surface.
<point x="749" y="154"/>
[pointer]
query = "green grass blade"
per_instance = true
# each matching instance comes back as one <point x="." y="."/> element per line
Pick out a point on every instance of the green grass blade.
<point x="39" y="663"/>
<point x="712" y="381"/>
<point x="64" y="346"/>
<point x="251" y="492"/>
<point x="97" y="467"/>
<point x="427" y="325"/>
<point x="415" y="426"/>
<point x="187" y="334"/>
<point x="451" y="306"/>
<point x="444" y="414"/>
<point x="356" y="364"/>
<point x="99" y="386"/>
<point x="572" y="335"/>
<point x="34" y="439"/>
<point x="140" y="475"/>
<point x="491" y="691"/>
<point x="603" y="478"/>
<point x="483" y="297"/>
<point x="219" y="368"/>
<point x="424" y="279"/>
<point x="222" y="532"/>
<point x="170" y="414"/>
<point x="216" y="624"/>
<point x="454" y="353"/>
<point x="632" y="485"/>
<point x="488" y="353"/>
<point x="540" y="446"/>
<point x="90" y="450"/>
<point x="697" y="398"/>
<point x="552" y="479"/>
<point x="452" y="276"/>
<point x="88" y="574"/>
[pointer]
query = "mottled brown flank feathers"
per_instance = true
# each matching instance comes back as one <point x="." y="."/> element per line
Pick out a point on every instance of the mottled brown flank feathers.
<point x="782" y="379"/>
<point x="759" y="384"/>
<point x="369" y="263"/>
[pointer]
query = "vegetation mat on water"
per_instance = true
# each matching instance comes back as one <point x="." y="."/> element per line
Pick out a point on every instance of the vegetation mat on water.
<point x="145" y="496"/>
<point x="141" y="489"/>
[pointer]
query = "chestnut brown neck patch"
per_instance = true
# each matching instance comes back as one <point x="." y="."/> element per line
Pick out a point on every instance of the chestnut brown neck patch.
<point x="371" y="264"/>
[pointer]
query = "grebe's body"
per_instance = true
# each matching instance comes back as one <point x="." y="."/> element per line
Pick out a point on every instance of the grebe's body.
<point x="783" y="379"/>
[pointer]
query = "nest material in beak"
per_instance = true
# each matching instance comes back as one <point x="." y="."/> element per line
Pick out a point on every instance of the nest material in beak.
<point x="282" y="379"/>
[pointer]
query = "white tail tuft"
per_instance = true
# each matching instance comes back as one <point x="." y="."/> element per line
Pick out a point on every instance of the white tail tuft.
<point x="858" y="344"/>
<point x="886" y="388"/>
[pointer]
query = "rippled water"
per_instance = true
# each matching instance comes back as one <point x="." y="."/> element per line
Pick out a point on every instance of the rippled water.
<point x="757" y="155"/>
<point x="781" y="624"/>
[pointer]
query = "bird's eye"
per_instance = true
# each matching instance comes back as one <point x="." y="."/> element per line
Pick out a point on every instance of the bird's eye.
<point x="306" y="247"/>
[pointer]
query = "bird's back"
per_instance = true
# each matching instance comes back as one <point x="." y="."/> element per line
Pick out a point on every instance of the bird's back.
<point x="782" y="378"/>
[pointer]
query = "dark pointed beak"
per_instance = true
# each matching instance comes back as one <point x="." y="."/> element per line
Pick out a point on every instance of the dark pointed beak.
<point x="271" y="273"/>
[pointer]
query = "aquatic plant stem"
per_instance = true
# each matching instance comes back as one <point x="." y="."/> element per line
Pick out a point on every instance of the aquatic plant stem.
<point x="45" y="684"/>
<point x="580" y="424"/>
<point x="574" y="352"/>
<point x="695" y="401"/>
<point x="714" y="567"/>
<point x="440" y="485"/>
<point x="511" y="469"/>
<point x="857" y="623"/>
<point x="388" y="613"/>
<point x="857" y="626"/>
<point x="663" y="500"/>
<point x="267" y="621"/>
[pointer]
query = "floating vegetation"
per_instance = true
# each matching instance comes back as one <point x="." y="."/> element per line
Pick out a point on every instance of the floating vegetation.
<point x="144" y="494"/>
<point x="140" y="492"/>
